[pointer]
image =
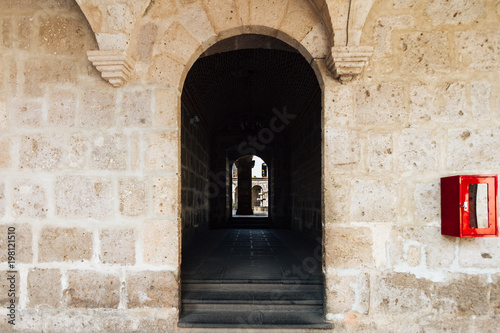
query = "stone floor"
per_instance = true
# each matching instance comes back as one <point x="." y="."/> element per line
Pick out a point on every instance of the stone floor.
<point x="246" y="254"/>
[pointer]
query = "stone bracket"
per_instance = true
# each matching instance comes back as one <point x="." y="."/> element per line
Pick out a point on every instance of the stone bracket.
<point x="115" y="65"/>
<point x="348" y="62"/>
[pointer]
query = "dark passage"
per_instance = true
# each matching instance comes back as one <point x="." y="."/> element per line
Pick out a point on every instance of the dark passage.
<point x="252" y="278"/>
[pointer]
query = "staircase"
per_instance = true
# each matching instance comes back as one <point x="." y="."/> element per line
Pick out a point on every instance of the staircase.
<point x="253" y="304"/>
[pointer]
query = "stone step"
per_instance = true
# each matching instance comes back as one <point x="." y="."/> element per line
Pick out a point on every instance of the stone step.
<point x="244" y="318"/>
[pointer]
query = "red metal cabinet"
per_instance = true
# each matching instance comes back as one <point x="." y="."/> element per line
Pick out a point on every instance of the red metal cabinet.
<point x="469" y="206"/>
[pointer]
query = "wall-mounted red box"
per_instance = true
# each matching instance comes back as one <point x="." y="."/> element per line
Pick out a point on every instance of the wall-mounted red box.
<point x="469" y="206"/>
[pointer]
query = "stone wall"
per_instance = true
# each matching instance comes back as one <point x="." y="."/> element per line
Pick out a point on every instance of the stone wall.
<point x="90" y="174"/>
<point x="195" y="161"/>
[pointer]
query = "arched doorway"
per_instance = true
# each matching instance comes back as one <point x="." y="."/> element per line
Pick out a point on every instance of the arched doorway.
<point x="257" y="187"/>
<point x="261" y="100"/>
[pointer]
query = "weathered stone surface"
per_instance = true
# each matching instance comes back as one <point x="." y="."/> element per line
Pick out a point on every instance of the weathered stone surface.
<point x="65" y="35"/>
<point x="165" y="195"/>
<point x="381" y="103"/>
<point x="463" y="295"/>
<point x="44" y="288"/>
<point x="5" y="160"/>
<point x="109" y="151"/>
<point x="167" y="103"/>
<point x="298" y="19"/>
<point x="29" y="200"/>
<point x="479" y="252"/>
<point x="23" y="241"/>
<point x="223" y="14"/>
<point x="478" y="50"/>
<point x="439" y="251"/>
<point x="7" y="286"/>
<point x="418" y="149"/>
<point x="196" y="21"/>
<point x="177" y="42"/>
<point x="425" y="52"/>
<point x="133" y="200"/>
<point x="62" y="108"/>
<point x="161" y="244"/>
<point x="473" y="149"/>
<point x="136" y="108"/>
<point x="336" y="192"/>
<point x="166" y="71"/>
<point x="427" y="199"/>
<point x="39" y="73"/>
<point x="163" y="150"/>
<point x="348" y="247"/>
<point x="480" y="100"/>
<point x="117" y="246"/>
<point x="339" y="109"/>
<point x="340" y="293"/>
<point x="3" y="113"/>
<point x="2" y="198"/>
<point x="373" y="201"/>
<point x="90" y="289"/>
<point x="145" y="42"/>
<point x="317" y="42"/>
<point x="27" y="113"/>
<point x="341" y="148"/>
<point x="64" y="244"/>
<point x="384" y="31"/>
<point x="398" y="293"/>
<point x="41" y="151"/>
<point x="423" y="103"/>
<point x="83" y="196"/>
<point x="379" y="156"/>
<point x="77" y="151"/>
<point x="455" y="102"/>
<point x="153" y="289"/>
<point x="454" y="12"/>
<point x="495" y="294"/>
<point x="97" y="108"/>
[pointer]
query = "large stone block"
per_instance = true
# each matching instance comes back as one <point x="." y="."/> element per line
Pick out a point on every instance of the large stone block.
<point x="336" y="196"/>
<point x="348" y="247"/>
<point x="62" y="108"/>
<point x="109" y="151"/>
<point x="423" y="103"/>
<point x="402" y="293"/>
<point x="178" y="43"/>
<point x="463" y="295"/>
<point x="341" y="149"/>
<point x="97" y="108"/>
<point x="39" y="73"/>
<point x="454" y="102"/>
<point x="160" y="240"/>
<point x="3" y="113"/>
<point x="454" y="12"/>
<point x="414" y="246"/>
<point x="23" y="241"/>
<point x="146" y="37"/>
<point x="89" y="289"/>
<point x="418" y="149"/>
<point x="473" y="149"/>
<point x="64" y="244"/>
<point x="479" y="252"/>
<point x="299" y="18"/>
<point x="427" y="202"/>
<point x="41" y="151"/>
<point x="495" y="294"/>
<point x="373" y="201"/>
<point x="478" y="50"/>
<point x="152" y="289"/>
<point x="162" y="152"/>
<point x="83" y="196"/>
<point x="9" y="283"/>
<point x="5" y="160"/>
<point x="44" y="288"/>
<point x="136" y="108"/>
<point x="384" y="31"/>
<point x="339" y="293"/>
<point x="166" y="71"/>
<point x="339" y="105"/>
<point x="379" y="155"/>
<point x="2" y="198"/>
<point x="381" y="103"/>
<point x="166" y="196"/>
<point x="480" y="100"/>
<point x="77" y="154"/>
<point x="29" y="200"/>
<point x="133" y="200"/>
<point x="167" y="107"/>
<point x="223" y="14"/>
<point x="65" y="35"/>
<point x="27" y="113"/>
<point x="425" y="52"/>
<point x="196" y="21"/>
<point x="117" y="246"/>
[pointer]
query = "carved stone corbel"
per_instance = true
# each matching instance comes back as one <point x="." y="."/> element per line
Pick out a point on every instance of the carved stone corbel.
<point x="348" y="62"/>
<point x="115" y="65"/>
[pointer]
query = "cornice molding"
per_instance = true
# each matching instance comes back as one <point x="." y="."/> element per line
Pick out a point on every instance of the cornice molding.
<point x="347" y="62"/>
<point x="115" y="65"/>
